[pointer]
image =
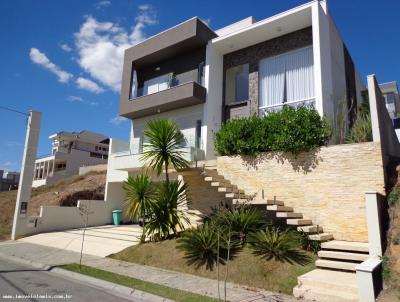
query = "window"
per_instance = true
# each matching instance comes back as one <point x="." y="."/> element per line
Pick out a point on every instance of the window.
<point x="237" y="84"/>
<point x="198" y="134"/>
<point x="157" y="84"/>
<point x="286" y="79"/>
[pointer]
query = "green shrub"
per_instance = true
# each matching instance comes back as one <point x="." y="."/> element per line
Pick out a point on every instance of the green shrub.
<point x="393" y="197"/>
<point x="290" y="130"/>
<point x="200" y="246"/>
<point x="307" y="244"/>
<point x="242" y="221"/>
<point x="283" y="246"/>
<point x="361" y="130"/>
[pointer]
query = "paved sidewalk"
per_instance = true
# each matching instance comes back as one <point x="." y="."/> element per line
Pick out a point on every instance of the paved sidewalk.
<point x="37" y="254"/>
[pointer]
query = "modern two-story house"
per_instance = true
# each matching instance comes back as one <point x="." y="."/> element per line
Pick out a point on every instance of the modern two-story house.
<point x="69" y="152"/>
<point x="201" y="78"/>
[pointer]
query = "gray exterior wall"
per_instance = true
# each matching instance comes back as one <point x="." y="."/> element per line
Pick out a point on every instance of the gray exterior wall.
<point x="253" y="54"/>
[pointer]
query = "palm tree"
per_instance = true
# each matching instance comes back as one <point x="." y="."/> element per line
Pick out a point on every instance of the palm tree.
<point x="139" y="198"/>
<point x="162" y="148"/>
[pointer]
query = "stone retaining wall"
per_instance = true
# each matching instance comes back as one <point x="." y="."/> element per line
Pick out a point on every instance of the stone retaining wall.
<point x="327" y="186"/>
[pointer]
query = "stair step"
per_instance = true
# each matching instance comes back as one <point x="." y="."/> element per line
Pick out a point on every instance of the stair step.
<point x="288" y="215"/>
<point x="350" y="246"/>
<point x="236" y="195"/>
<point x="343" y="255"/>
<point x="299" y="221"/>
<point x="322" y="294"/>
<point x="279" y="208"/>
<point x="330" y="280"/>
<point x="275" y="202"/>
<point x="310" y="229"/>
<point x="213" y="178"/>
<point x="321" y="237"/>
<point x="220" y="184"/>
<point x="230" y="190"/>
<point x="241" y="201"/>
<point x="341" y="265"/>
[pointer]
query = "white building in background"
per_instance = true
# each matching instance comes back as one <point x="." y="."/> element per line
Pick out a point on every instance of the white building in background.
<point x="69" y="152"/>
<point x="9" y="180"/>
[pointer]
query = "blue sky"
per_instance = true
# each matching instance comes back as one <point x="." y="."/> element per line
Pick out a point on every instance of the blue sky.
<point x="64" y="57"/>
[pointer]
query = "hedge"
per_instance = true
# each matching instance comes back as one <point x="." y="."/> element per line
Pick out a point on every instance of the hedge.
<point x="291" y="130"/>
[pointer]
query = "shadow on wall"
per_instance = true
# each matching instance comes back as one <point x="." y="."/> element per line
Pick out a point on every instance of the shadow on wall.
<point x="303" y="162"/>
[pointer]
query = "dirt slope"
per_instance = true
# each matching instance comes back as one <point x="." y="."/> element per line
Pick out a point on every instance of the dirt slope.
<point x="63" y="193"/>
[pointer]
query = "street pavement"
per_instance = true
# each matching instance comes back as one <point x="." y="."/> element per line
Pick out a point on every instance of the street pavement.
<point x="24" y="280"/>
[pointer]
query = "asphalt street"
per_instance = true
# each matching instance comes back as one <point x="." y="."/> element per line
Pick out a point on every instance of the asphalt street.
<point x="24" y="283"/>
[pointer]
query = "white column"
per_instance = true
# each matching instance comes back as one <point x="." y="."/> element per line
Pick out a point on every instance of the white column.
<point x="25" y="182"/>
<point x="373" y="212"/>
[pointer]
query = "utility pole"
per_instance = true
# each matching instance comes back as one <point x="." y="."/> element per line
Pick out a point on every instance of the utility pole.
<point x="20" y="223"/>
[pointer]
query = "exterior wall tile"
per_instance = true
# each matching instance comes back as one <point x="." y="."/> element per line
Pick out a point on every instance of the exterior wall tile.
<point x="327" y="186"/>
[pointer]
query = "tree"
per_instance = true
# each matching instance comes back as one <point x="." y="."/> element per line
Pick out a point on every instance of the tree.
<point x="162" y="148"/>
<point x="139" y="198"/>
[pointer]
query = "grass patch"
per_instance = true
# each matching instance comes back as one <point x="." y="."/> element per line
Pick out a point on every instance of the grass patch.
<point x="153" y="288"/>
<point x="245" y="269"/>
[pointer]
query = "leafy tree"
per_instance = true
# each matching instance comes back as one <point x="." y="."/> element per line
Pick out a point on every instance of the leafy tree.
<point x="167" y="215"/>
<point x="139" y="198"/>
<point x="162" y="148"/>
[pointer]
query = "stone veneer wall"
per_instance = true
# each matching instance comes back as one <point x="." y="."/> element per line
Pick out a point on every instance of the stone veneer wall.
<point x="327" y="186"/>
<point x="253" y="54"/>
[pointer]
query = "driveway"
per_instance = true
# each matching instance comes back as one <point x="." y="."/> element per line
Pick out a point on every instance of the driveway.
<point x="99" y="241"/>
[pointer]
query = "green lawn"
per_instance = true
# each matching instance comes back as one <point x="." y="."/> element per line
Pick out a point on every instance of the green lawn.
<point x="153" y="288"/>
<point x="245" y="269"/>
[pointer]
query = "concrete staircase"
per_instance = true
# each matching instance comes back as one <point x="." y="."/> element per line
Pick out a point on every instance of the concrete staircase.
<point x="335" y="278"/>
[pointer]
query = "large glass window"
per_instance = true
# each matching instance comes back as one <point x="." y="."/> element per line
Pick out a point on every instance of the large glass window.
<point x="287" y="79"/>
<point x="157" y="84"/>
<point x="237" y="84"/>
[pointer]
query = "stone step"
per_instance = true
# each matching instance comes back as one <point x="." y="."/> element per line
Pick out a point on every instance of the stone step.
<point x="236" y="195"/>
<point x="299" y="221"/>
<point x="343" y="255"/>
<point x="340" y="265"/>
<point x="288" y="215"/>
<point x="310" y="229"/>
<point x="321" y="237"/>
<point x="221" y="183"/>
<point x="351" y="246"/>
<point x="241" y="201"/>
<point x="230" y="190"/>
<point x="322" y="295"/>
<point x="279" y="208"/>
<point x="330" y="280"/>
<point x="213" y="178"/>
<point x="275" y="202"/>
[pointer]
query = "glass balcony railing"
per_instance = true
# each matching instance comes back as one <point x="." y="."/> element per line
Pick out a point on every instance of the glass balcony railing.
<point x="169" y="81"/>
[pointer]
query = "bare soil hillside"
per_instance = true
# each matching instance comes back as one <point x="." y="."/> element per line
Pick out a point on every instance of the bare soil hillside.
<point x="63" y="193"/>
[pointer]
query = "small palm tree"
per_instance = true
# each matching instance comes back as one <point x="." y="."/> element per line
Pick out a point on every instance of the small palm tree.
<point x="139" y="198"/>
<point x="162" y="148"/>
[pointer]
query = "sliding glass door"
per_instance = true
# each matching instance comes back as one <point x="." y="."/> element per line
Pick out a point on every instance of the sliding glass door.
<point x="287" y="79"/>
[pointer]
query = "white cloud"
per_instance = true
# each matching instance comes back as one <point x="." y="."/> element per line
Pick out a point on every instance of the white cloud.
<point x="78" y="99"/>
<point x="101" y="45"/>
<point x="13" y="144"/>
<point x="102" y="4"/>
<point x="8" y="164"/>
<point x="118" y="120"/>
<point x="41" y="59"/>
<point x="66" y="47"/>
<point x="88" y="85"/>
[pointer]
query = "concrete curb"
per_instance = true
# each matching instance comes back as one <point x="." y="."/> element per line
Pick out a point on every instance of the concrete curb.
<point x="112" y="288"/>
<point x="134" y="294"/>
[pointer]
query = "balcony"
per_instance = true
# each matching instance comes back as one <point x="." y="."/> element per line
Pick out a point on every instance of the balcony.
<point x="165" y="93"/>
<point x="128" y="161"/>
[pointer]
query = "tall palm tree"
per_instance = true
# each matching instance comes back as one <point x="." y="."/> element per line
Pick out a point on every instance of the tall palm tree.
<point x="139" y="198"/>
<point x="162" y="147"/>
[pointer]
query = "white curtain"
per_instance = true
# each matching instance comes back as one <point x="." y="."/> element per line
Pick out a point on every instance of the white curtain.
<point x="287" y="78"/>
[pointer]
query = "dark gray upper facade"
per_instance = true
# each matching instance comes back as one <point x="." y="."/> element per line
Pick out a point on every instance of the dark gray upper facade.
<point x="179" y="55"/>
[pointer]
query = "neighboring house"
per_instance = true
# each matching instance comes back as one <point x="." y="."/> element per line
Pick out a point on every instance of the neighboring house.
<point x="70" y="151"/>
<point x="9" y="180"/>
<point x="200" y="77"/>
